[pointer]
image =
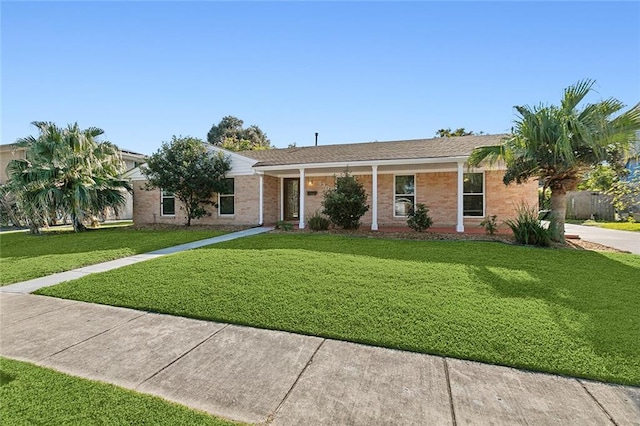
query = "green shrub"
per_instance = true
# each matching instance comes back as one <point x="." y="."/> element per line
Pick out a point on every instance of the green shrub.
<point x="317" y="222"/>
<point x="346" y="203"/>
<point x="418" y="218"/>
<point x="527" y="229"/>
<point x="489" y="224"/>
<point x="285" y="226"/>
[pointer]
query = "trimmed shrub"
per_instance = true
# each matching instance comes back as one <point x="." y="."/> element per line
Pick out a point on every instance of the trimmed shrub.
<point x="285" y="226"/>
<point x="346" y="203"/>
<point x="418" y="218"/>
<point x="527" y="229"/>
<point x="317" y="222"/>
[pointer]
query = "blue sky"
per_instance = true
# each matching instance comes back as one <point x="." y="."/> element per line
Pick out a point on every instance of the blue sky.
<point x="352" y="71"/>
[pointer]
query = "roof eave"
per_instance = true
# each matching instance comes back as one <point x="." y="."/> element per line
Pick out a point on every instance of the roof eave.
<point x="403" y="161"/>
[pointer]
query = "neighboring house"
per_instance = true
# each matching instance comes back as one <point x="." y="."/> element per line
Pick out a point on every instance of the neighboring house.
<point x="288" y="184"/>
<point x="131" y="160"/>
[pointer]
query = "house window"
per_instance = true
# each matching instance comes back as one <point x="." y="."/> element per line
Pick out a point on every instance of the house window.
<point x="473" y="194"/>
<point x="168" y="204"/>
<point x="227" y="199"/>
<point x="404" y="195"/>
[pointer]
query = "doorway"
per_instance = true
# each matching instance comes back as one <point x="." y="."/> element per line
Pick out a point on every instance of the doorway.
<point x="291" y="198"/>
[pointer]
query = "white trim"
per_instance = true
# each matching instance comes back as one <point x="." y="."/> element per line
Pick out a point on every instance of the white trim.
<point x="415" y="192"/>
<point x="261" y="197"/>
<point x="281" y="198"/>
<point x="484" y="197"/>
<point x="162" y="197"/>
<point x="301" y="187"/>
<point x="374" y="198"/>
<point x="343" y="164"/>
<point x="228" y="195"/>
<point x="460" y="198"/>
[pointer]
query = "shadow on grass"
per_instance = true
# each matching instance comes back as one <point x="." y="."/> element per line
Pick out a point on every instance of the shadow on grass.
<point x="592" y="296"/>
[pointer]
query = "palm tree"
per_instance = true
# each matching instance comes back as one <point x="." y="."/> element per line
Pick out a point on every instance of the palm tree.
<point x="558" y="144"/>
<point x="67" y="172"/>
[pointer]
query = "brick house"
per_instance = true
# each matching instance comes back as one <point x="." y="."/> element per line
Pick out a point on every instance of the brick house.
<point x="288" y="184"/>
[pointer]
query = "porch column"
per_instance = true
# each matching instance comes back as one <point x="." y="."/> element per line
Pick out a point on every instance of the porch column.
<point x="374" y="198"/>
<point x="281" y="199"/>
<point x="261" y="209"/>
<point x="302" y="194"/>
<point x="460" y="215"/>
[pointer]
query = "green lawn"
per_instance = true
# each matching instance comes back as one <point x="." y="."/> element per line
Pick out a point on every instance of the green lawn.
<point x="24" y="256"/>
<point x="561" y="311"/>
<point x="31" y="395"/>
<point x="620" y="226"/>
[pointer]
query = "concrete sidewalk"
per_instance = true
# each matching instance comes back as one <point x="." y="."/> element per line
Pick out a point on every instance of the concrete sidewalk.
<point x="265" y="376"/>
<point x="37" y="283"/>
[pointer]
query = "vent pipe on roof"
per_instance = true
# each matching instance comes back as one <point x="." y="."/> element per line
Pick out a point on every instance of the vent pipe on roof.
<point x="316" y="138"/>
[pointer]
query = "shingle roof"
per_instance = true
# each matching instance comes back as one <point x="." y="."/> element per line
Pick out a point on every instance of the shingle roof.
<point x="372" y="151"/>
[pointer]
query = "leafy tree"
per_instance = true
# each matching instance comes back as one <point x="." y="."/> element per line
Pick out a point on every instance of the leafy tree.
<point x="230" y="135"/>
<point x="448" y="133"/>
<point x="346" y="203"/>
<point x="599" y="177"/>
<point x="67" y="172"/>
<point x="626" y="192"/>
<point x="557" y="144"/>
<point x="186" y="168"/>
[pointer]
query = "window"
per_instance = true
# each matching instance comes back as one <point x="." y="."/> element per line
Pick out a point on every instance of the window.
<point x="226" y="198"/>
<point x="473" y="194"/>
<point x="404" y="195"/>
<point x="168" y="204"/>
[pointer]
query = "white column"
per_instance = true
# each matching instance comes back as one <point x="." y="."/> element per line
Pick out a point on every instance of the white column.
<point x="302" y="194"/>
<point x="374" y="198"/>
<point x="460" y="215"/>
<point x="281" y="199"/>
<point x="261" y="209"/>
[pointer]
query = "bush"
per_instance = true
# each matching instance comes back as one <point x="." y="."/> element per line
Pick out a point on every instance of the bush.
<point x="418" y="218"/>
<point x="346" y="203"/>
<point x="489" y="224"/>
<point x="317" y="222"/>
<point x="285" y="226"/>
<point x="527" y="229"/>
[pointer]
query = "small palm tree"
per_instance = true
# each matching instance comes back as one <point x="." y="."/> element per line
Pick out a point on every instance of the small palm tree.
<point x="558" y="144"/>
<point x="67" y="172"/>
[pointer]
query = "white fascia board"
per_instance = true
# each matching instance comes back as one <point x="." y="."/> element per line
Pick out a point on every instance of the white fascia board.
<point x="240" y="165"/>
<point x="430" y="160"/>
<point x="135" y="174"/>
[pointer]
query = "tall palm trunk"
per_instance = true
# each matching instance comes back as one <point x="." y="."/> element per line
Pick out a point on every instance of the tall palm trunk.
<point x="558" y="212"/>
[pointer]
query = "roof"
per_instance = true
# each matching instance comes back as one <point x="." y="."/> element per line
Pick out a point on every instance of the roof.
<point x="460" y="146"/>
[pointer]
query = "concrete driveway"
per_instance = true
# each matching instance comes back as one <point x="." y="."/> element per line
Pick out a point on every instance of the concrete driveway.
<point x="621" y="240"/>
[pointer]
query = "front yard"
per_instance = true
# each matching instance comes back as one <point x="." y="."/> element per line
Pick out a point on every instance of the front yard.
<point x="561" y="311"/>
<point x="24" y="256"/>
<point x="33" y="395"/>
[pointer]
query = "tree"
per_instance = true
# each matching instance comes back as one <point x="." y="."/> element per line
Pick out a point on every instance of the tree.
<point x="346" y="203"/>
<point x="557" y="144"/>
<point x="67" y="172"/>
<point x="186" y="168"/>
<point x="229" y="134"/>
<point x="448" y="133"/>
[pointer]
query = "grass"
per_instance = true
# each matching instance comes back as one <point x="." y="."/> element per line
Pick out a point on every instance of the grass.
<point x="24" y="256"/>
<point x="32" y="395"/>
<point x="620" y="226"/>
<point x="560" y="311"/>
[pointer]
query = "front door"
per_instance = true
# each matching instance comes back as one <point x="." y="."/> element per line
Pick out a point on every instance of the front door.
<point x="291" y="198"/>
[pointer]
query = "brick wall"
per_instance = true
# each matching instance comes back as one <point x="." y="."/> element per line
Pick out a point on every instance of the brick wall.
<point x="436" y="190"/>
<point x="146" y="206"/>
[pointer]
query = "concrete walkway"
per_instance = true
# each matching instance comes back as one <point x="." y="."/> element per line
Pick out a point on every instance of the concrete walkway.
<point x="37" y="283"/>
<point x="621" y="240"/>
<point x="265" y="376"/>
